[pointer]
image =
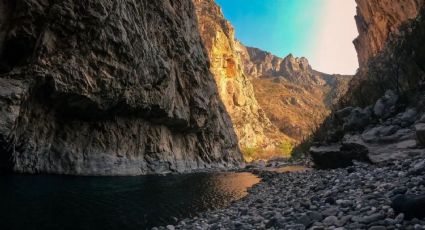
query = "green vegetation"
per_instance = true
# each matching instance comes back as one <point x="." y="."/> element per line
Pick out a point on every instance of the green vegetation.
<point x="249" y="153"/>
<point x="285" y="148"/>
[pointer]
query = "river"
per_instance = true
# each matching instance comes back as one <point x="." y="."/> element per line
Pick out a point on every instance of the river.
<point x="70" y="202"/>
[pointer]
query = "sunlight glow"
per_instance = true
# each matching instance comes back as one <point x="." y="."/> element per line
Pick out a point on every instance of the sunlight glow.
<point x="334" y="51"/>
<point x="320" y="30"/>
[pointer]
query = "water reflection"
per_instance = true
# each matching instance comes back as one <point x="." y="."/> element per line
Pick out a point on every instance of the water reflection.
<point x="61" y="202"/>
<point x="290" y="168"/>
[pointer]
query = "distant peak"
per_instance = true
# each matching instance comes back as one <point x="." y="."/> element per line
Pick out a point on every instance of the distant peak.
<point x="295" y="64"/>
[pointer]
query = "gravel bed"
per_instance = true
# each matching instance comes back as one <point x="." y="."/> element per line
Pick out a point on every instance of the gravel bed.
<point x="358" y="197"/>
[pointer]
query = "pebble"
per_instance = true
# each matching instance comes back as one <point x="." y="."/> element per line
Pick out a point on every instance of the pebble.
<point x="355" y="198"/>
<point x="378" y="228"/>
<point x="330" y="220"/>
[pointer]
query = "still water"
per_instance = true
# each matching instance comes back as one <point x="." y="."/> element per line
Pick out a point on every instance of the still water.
<point x="65" y="202"/>
<point x="290" y="169"/>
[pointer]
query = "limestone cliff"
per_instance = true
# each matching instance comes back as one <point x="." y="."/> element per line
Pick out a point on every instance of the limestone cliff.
<point x="376" y="19"/>
<point x="250" y="122"/>
<point x="294" y="96"/>
<point x="108" y="88"/>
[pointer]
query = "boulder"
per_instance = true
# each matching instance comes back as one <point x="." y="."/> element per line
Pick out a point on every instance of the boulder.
<point x="256" y="165"/>
<point x="357" y="120"/>
<point x="422" y="119"/>
<point x="397" y="146"/>
<point x="408" y="117"/>
<point x="338" y="156"/>
<point x="420" y="133"/>
<point x="413" y="206"/>
<point x="343" y="113"/>
<point x="417" y="169"/>
<point x="385" y="106"/>
<point x="377" y="133"/>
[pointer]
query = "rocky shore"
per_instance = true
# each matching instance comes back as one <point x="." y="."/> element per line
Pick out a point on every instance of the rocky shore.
<point x="363" y="196"/>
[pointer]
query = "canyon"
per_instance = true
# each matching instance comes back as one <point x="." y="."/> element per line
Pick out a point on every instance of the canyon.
<point x="374" y="141"/>
<point x="272" y="101"/>
<point x="214" y="97"/>
<point x="126" y="88"/>
<point x="294" y="96"/>
<point x="193" y="101"/>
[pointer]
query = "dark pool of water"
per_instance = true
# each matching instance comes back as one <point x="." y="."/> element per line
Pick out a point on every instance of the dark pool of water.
<point x="65" y="202"/>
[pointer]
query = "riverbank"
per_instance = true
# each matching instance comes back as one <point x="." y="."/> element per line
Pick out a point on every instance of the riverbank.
<point x="358" y="197"/>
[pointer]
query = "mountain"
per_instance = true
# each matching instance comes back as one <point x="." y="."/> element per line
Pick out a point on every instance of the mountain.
<point x="252" y="126"/>
<point x="108" y="88"/>
<point x="294" y="96"/>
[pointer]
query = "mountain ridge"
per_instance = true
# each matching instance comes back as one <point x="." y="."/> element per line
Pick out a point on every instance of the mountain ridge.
<point x="294" y="96"/>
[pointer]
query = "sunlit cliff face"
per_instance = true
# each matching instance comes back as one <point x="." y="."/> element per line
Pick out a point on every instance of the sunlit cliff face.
<point x="230" y="66"/>
<point x="250" y="123"/>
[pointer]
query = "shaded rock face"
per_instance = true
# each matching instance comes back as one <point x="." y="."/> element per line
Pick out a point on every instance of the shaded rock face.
<point x="376" y="19"/>
<point x="108" y="88"/>
<point x="251" y="124"/>
<point x="294" y="96"/>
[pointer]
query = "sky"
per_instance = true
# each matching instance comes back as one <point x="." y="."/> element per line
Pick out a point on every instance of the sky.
<point x="320" y="30"/>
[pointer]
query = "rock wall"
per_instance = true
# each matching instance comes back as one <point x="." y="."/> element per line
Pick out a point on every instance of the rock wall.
<point x="250" y="122"/>
<point x="383" y="114"/>
<point x="376" y="19"/>
<point x="294" y="96"/>
<point x="108" y="88"/>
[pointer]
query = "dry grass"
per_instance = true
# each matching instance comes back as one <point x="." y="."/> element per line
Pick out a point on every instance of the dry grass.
<point x="295" y="109"/>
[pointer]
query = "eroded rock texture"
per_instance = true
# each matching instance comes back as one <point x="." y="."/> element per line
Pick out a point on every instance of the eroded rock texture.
<point x="108" y="88"/>
<point x="376" y="19"/>
<point x="294" y="96"/>
<point x="251" y="124"/>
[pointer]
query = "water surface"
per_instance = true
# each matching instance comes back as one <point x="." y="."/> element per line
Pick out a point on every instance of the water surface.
<point x="290" y="169"/>
<point x="66" y="202"/>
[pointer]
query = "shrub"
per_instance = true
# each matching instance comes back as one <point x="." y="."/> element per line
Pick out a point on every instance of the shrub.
<point x="249" y="153"/>
<point x="285" y="148"/>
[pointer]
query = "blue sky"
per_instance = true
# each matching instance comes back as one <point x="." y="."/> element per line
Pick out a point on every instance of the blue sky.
<point x="321" y="30"/>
